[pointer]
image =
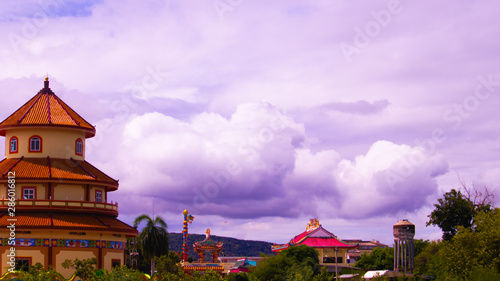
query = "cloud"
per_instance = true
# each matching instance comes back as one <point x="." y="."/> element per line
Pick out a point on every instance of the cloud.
<point x="389" y="179"/>
<point x="256" y="164"/>
<point x="359" y="107"/>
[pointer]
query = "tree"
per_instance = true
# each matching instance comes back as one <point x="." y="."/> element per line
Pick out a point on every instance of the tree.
<point x="379" y="258"/>
<point x="457" y="209"/>
<point x="295" y="263"/>
<point x="153" y="239"/>
<point x="168" y="264"/>
<point x="241" y="276"/>
<point x="304" y="255"/>
<point x="476" y="250"/>
<point x="429" y="262"/>
<point x="271" y="268"/>
<point x="38" y="273"/>
<point x="472" y="254"/>
<point x="85" y="269"/>
<point x="122" y="273"/>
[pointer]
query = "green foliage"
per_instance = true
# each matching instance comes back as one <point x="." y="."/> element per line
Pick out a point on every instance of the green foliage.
<point x="456" y="210"/>
<point x="38" y="273"/>
<point x="122" y="273"/>
<point x="209" y="275"/>
<point x="302" y="253"/>
<point x="428" y="262"/>
<point x="470" y="251"/>
<point x="295" y="263"/>
<point x="237" y="277"/>
<point x="168" y="264"/>
<point x="272" y="268"/>
<point x="469" y="255"/>
<point x="419" y="245"/>
<point x="153" y="239"/>
<point x="323" y="275"/>
<point x="379" y="259"/>
<point x="85" y="269"/>
<point x="481" y="274"/>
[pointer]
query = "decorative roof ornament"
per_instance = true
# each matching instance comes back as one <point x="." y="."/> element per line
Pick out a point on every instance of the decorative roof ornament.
<point x="313" y="224"/>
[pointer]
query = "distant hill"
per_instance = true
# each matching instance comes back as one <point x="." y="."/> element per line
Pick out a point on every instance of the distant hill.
<point x="232" y="247"/>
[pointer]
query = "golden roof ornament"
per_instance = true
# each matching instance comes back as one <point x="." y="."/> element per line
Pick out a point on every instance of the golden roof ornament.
<point x="313" y="224"/>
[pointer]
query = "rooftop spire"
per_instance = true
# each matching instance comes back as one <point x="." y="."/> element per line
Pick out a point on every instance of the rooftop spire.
<point x="46" y="82"/>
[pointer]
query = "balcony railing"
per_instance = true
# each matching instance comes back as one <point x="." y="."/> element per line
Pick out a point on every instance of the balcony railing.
<point x="62" y="205"/>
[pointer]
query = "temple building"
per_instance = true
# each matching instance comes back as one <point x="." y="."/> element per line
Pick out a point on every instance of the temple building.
<point x="332" y="251"/>
<point x="208" y="257"/>
<point x="208" y="250"/>
<point x="58" y="201"/>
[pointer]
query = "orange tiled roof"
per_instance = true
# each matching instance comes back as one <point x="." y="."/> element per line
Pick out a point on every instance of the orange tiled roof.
<point x="34" y="219"/>
<point x="66" y="220"/>
<point x="55" y="169"/>
<point x="72" y="220"/>
<point x="45" y="108"/>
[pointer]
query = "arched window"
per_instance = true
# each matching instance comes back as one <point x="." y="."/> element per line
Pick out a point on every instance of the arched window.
<point x="13" y="144"/>
<point x="35" y="144"/>
<point x="79" y="147"/>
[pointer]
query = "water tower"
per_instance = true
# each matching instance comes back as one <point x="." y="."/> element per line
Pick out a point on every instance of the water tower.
<point x="404" y="252"/>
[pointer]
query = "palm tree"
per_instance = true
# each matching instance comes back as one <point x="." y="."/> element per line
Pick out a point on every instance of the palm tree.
<point x="153" y="239"/>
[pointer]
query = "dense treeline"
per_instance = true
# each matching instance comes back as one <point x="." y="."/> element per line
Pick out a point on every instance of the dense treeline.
<point x="471" y="254"/>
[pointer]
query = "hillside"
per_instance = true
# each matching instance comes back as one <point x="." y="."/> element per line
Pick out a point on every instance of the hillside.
<point x="232" y="246"/>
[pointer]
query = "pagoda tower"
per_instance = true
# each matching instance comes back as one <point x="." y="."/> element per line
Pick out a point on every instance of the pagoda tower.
<point x="54" y="204"/>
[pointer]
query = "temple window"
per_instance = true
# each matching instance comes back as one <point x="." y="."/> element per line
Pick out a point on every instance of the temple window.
<point x="332" y="260"/>
<point x="98" y="195"/>
<point x="115" y="263"/>
<point x="79" y="147"/>
<point x="35" y="144"/>
<point x="29" y="193"/>
<point x="13" y="145"/>
<point x="23" y="264"/>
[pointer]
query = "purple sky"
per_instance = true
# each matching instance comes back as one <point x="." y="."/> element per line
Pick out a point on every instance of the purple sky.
<point x="259" y="115"/>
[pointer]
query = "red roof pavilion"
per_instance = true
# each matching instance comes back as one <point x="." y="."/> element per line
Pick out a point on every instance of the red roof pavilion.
<point x="317" y="237"/>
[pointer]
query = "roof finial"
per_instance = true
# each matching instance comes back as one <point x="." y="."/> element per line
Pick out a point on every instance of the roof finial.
<point x="46" y="82"/>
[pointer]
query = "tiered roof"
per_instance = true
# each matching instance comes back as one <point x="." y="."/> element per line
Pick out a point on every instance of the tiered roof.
<point x="55" y="169"/>
<point x="46" y="109"/>
<point x="207" y="243"/>
<point x="37" y="220"/>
